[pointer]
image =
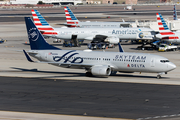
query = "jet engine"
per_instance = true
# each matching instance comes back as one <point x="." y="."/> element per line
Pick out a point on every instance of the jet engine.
<point x="100" y="70"/>
<point x="113" y="40"/>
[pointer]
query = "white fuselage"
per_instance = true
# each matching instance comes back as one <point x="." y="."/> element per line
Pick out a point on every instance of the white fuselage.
<point x="90" y="33"/>
<point x="103" y="24"/>
<point x="118" y="61"/>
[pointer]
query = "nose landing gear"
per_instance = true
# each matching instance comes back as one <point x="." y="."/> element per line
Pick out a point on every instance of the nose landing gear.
<point x="159" y="75"/>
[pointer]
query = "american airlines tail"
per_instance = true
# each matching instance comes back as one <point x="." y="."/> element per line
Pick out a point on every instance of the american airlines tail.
<point x="41" y="24"/>
<point x="71" y="19"/>
<point x="165" y="32"/>
<point x="175" y="13"/>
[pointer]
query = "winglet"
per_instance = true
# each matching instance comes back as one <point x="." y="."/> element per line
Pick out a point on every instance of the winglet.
<point x="27" y="56"/>
<point x="120" y="48"/>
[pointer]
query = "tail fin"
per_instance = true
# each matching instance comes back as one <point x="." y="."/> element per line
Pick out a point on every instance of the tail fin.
<point x="165" y="32"/>
<point x="37" y="41"/>
<point x="70" y="17"/>
<point x="163" y="28"/>
<point x="175" y="13"/>
<point x="42" y="24"/>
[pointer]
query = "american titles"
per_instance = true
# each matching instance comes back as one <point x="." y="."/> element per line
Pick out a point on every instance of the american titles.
<point x="124" y="31"/>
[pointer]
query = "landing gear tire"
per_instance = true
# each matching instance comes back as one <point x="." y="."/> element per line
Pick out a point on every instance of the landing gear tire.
<point x="89" y="74"/>
<point x="158" y="76"/>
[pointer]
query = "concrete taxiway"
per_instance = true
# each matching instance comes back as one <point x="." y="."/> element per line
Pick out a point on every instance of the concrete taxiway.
<point x="42" y="88"/>
<point x="89" y="98"/>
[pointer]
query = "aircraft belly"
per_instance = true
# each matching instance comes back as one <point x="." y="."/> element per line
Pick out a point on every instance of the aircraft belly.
<point x="83" y="36"/>
<point x="64" y="36"/>
<point x="127" y="36"/>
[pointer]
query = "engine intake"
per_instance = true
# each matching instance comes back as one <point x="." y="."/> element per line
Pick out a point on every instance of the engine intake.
<point x="113" y="40"/>
<point x="100" y="70"/>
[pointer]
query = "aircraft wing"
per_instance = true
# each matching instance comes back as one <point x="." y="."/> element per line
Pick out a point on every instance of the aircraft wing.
<point x="71" y="65"/>
<point x="68" y="25"/>
<point x="104" y="38"/>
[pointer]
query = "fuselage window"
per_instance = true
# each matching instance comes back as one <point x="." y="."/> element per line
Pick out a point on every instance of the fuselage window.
<point x="164" y="61"/>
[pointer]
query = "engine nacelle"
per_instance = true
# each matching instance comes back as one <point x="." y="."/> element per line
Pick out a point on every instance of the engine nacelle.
<point x="113" y="40"/>
<point x="100" y="70"/>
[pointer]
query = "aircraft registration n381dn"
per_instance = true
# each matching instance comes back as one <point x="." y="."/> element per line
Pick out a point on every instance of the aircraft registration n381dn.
<point x="111" y="35"/>
<point x="97" y="63"/>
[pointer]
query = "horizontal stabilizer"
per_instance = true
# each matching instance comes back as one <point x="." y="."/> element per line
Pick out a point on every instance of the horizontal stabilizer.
<point x="27" y="56"/>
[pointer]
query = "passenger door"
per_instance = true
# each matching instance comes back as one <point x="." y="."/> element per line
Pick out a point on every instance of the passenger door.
<point x="152" y="62"/>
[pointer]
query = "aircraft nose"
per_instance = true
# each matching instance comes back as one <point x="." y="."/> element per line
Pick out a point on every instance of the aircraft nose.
<point x="171" y="66"/>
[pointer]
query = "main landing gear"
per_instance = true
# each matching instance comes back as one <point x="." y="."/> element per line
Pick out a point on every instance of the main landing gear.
<point x="89" y="74"/>
<point x="158" y="76"/>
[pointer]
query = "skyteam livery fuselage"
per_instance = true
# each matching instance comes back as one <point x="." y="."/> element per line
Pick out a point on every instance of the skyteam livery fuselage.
<point x="117" y="61"/>
<point x="96" y="63"/>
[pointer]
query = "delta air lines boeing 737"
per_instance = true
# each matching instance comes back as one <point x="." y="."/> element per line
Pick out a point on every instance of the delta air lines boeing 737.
<point x="96" y="63"/>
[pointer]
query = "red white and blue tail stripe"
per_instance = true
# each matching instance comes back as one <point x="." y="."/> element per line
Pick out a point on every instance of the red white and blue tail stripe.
<point x="72" y="21"/>
<point x="175" y="13"/>
<point x="164" y="30"/>
<point x="42" y="24"/>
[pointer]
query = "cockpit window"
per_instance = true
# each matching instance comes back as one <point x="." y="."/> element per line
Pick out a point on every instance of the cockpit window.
<point x="164" y="61"/>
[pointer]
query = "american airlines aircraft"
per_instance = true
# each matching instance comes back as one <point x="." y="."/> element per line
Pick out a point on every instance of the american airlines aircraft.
<point x="72" y="21"/>
<point x="165" y="33"/>
<point x="96" y="63"/>
<point x="111" y="35"/>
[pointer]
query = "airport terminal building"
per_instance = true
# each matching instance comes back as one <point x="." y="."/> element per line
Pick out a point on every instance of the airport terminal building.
<point x="56" y="2"/>
<point x="75" y="2"/>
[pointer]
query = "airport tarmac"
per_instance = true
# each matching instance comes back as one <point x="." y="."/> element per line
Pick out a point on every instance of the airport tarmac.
<point x="17" y="74"/>
<point x="93" y="13"/>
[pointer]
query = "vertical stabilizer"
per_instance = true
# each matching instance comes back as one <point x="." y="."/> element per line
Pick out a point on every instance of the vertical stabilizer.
<point x="71" y="18"/>
<point x="175" y="13"/>
<point x="163" y="28"/>
<point x="42" y="24"/>
<point x="36" y="40"/>
<point x="165" y="32"/>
